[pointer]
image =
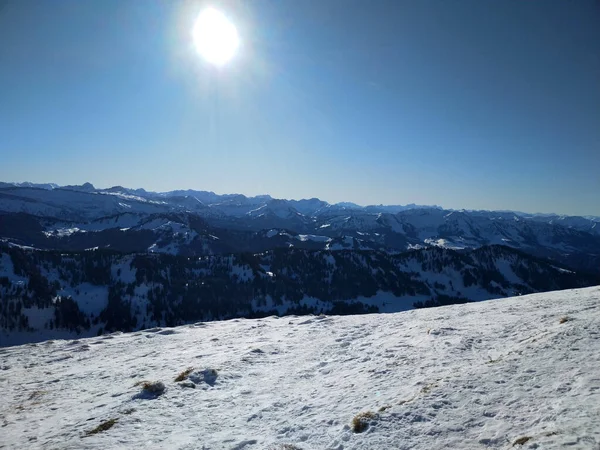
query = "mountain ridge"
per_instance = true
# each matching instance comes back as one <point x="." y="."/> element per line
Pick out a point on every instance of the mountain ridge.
<point x="75" y="218"/>
<point x="212" y="196"/>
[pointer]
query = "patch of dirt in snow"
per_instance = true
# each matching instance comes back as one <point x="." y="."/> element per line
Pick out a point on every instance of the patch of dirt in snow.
<point x="483" y="375"/>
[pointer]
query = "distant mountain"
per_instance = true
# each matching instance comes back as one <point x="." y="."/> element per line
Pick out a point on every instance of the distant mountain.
<point x="28" y="184"/>
<point x="309" y="207"/>
<point x="348" y="205"/>
<point x="85" y="187"/>
<point x="80" y="217"/>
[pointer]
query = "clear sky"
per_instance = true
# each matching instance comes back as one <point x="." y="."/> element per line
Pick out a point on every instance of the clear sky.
<point x="465" y="104"/>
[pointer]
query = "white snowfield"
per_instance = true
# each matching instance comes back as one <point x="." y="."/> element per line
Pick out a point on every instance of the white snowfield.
<point x="498" y="374"/>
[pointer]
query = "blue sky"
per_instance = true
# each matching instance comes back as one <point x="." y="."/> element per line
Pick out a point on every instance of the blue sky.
<point x="464" y="104"/>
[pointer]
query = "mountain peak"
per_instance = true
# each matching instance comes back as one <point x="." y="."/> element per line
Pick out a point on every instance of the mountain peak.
<point x="85" y="187"/>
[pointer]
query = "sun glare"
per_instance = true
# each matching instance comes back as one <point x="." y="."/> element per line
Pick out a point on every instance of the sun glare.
<point x="215" y="37"/>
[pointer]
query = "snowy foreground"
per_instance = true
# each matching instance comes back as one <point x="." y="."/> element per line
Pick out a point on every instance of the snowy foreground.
<point x="497" y="374"/>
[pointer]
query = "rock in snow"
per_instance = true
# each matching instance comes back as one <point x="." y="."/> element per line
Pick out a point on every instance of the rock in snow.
<point x="522" y="372"/>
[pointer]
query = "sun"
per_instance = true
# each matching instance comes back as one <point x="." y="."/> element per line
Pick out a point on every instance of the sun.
<point x="215" y="37"/>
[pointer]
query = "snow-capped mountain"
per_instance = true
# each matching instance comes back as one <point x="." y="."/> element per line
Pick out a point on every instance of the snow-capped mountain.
<point x="72" y="204"/>
<point x="520" y="372"/>
<point x="309" y="207"/>
<point x="29" y="184"/>
<point x="70" y="217"/>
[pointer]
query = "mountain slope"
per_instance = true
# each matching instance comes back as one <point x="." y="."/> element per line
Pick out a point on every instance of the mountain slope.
<point x="48" y="294"/>
<point x="486" y="375"/>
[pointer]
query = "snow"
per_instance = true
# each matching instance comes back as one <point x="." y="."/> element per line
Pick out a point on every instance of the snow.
<point x="443" y="243"/>
<point x="90" y="298"/>
<point x="272" y="233"/>
<point x="72" y="204"/>
<point x="122" y="221"/>
<point x="275" y="232"/>
<point x="62" y="232"/>
<point x="562" y="270"/>
<point x="329" y="258"/>
<point x="506" y="270"/>
<point x="479" y="375"/>
<point x="313" y="237"/>
<point x="347" y="242"/>
<point x="243" y="272"/>
<point x="7" y="270"/>
<point x="38" y="317"/>
<point x="387" y="302"/>
<point x="257" y="210"/>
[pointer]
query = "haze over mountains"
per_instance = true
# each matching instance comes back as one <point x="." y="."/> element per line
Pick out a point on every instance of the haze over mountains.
<point x="76" y="259"/>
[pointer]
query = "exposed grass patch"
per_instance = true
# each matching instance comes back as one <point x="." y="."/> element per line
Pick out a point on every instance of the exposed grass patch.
<point x="522" y="440"/>
<point x="153" y="387"/>
<point x="34" y="399"/>
<point x="564" y="319"/>
<point x="360" y="422"/>
<point x="424" y="391"/>
<point x="104" y="426"/>
<point x="183" y="375"/>
<point x="427" y="389"/>
<point x="36" y="395"/>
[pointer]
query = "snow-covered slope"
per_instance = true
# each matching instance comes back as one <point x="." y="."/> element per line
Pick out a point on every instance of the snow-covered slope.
<point x="72" y="204"/>
<point x="522" y="372"/>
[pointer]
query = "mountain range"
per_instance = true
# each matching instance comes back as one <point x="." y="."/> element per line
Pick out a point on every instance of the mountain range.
<point x="195" y="223"/>
<point x="84" y="261"/>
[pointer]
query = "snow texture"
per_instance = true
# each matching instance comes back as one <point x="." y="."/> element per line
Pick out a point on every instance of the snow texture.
<point x="521" y="372"/>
